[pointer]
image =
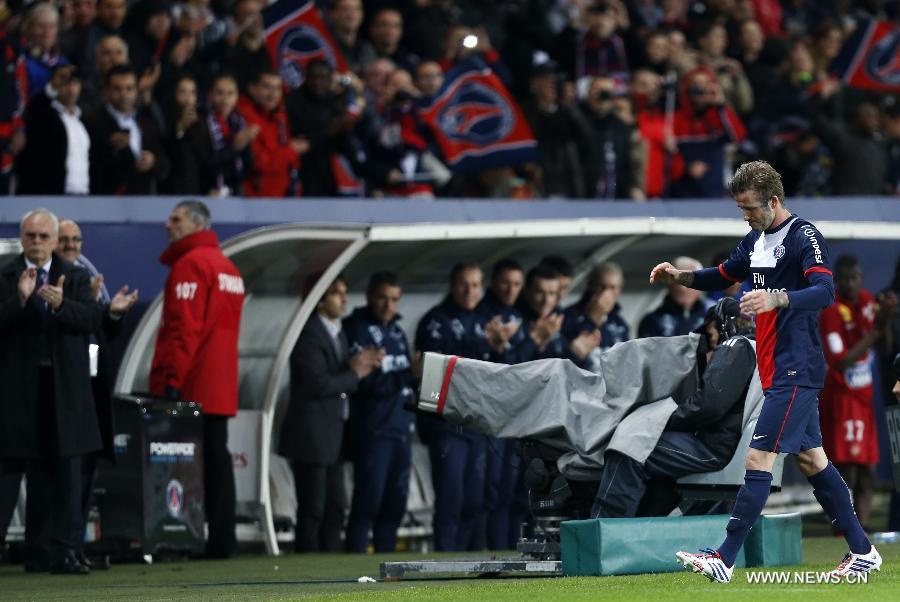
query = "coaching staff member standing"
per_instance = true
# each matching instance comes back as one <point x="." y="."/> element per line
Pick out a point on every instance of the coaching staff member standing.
<point x="196" y="354"/>
<point x="323" y="375"/>
<point x="48" y="417"/>
<point x="786" y="258"/>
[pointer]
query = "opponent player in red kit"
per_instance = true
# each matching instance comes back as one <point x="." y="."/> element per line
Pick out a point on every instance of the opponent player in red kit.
<point x="849" y="328"/>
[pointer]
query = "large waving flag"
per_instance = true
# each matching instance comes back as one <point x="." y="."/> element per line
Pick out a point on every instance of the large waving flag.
<point x="476" y="122"/>
<point x="296" y="35"/>
<point x="870" y="57"/>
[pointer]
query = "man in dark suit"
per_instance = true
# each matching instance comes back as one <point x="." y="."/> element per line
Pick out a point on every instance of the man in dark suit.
<point x="55" y="158"/>
<point x="49" y="420"/>
<point x="70" y="242"/>
<point x="322" y="376"/>
<point x="127" y="155"/>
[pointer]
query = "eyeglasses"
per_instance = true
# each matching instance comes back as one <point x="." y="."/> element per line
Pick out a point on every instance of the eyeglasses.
<point x="36" y="235"/>
<point x="70" y="239"/>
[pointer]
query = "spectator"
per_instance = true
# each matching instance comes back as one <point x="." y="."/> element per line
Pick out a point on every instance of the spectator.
<point x="196" y="19"/>
<point x="346" y="17"/>
<point x="890" y="119"/>
<point x="655" y="108"/>
<point x="55" y="158"/>
<point x="180" y="114"/>
<point x="12" y="128"/>
<point x="111" y="51"/>
<point x="110" y="19"/>
<point x="385" y="34"/>
<point x="70" y="242"/>
<point x="427" y="24"/>
<point x="827" y="40"/>
<point x="681" y="311"/>
<point x="221" y="141"/>
<point x="597" y="49"/>
<point x="564" y="271"/>
<point x="541" y="316"/>
<point x="750" y="51"/>
<point x="702" y="127"/>
<point x="458" y="456"/>
<point x="84" y="13"/>
<point x="429" y="78"/>
<point x="380" y="428"/>
<point x="158" y="49"/>
<point x="323" y="375"/>
<point x="560" y="130"/>
<point x="769" y="13"/>
<point x="41" y="27"/>
<point x="656" y="51"/>
<point x="196" y="354"/>
<point x="849" y="329"/>
<point x="46" y="315"/>
<point x="276" y="155"/>
<point x="611" y="170"/>
<point x="712" y="40"/>
<point x="127" y="155"/>
<point x="595" y="323"/>
<point x="398" y="162"/>
<point x="860" y="152"/>
<point x="243" y="51"/>
<point x="323" y="112"/>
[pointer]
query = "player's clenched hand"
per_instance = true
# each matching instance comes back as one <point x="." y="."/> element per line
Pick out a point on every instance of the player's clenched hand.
<point x="758" y="302"/>
<point x="664" y="273"/>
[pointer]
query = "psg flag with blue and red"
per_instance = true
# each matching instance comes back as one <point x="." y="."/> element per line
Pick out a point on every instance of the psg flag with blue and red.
<point x="870" y="57"/>
<point x="295" y="35"/>
<point x="476" y="122"/>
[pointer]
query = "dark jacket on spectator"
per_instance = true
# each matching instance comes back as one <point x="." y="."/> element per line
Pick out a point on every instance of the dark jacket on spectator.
<point x="563" y="142"/>
<point x="114" y="172"/>
<point x="609" y="167"/>
<point x="670" y="319"/>
<point x="41" y="166"/>
<point x="219" y="164"/>
<point x="556" y="347"/>
<point x="860" y="159"/>
<point x="314" y="119"/>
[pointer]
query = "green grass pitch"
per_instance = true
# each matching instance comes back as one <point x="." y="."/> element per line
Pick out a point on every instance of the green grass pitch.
<point x="333" y="577"/>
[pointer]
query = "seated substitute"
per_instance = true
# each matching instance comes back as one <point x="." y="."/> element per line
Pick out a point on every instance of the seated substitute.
<point x="701" y="435"/>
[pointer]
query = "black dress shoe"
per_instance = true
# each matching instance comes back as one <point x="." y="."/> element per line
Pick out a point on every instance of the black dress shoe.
<point x="83" y="559"/>
<point x="68" y="565"/>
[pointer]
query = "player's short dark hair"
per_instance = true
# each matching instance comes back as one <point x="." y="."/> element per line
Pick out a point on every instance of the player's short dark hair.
<point x="461" y="267"/>
<point x="845" y="263"/>
<point x="381" y="278"/>
<point x="504" y="265"/>
<point x="759" y="177"/>
<point x="197" y="211"/>
<point x="539" y="272"/>
<point x="560" y="265"/>
<point x="117" y="70"/>
<point x="262" y="72"/>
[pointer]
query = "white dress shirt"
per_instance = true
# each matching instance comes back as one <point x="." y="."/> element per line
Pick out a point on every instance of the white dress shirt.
<point x="128" y="122"/>
<point x="78" y="179"/>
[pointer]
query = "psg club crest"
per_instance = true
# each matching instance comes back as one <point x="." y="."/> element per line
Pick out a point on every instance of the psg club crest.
<point x="298" y="46"/>
<point x="175" y="498"/>
<point x="476" y="114"/>
<point x="779" y="252"/>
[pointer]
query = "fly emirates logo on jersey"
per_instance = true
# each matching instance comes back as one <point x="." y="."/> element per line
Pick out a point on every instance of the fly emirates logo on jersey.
<point x="759" y="283"/>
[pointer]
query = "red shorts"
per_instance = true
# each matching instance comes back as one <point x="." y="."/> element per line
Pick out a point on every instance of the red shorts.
<point x="849" y="433"/>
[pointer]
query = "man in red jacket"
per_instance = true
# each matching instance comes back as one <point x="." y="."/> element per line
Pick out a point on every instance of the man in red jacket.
<point x="276" y="156"/>
<point x="196" y="354"/>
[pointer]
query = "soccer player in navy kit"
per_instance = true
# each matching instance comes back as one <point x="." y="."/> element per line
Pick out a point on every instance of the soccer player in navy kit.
<point x="787" y="259"/>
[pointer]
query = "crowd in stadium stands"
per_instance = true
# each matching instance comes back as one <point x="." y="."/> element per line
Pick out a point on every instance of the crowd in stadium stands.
<point x="638" y="99"/>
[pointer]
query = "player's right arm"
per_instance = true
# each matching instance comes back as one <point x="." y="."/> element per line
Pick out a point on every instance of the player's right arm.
<point x="734" y="269"/>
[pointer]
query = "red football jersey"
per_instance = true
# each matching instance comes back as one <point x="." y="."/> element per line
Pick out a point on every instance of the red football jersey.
<point x="848" y="423"/>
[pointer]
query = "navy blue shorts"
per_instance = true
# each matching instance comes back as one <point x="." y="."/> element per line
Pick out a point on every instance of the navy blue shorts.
<point x="789" y="421"/>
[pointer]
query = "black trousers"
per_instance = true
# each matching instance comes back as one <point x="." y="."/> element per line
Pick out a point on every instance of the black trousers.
<point x="10" y="483"/>
<point x="624" y="481"/>
<point x="321" y="506"/>
<point x="218" y="485"/>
